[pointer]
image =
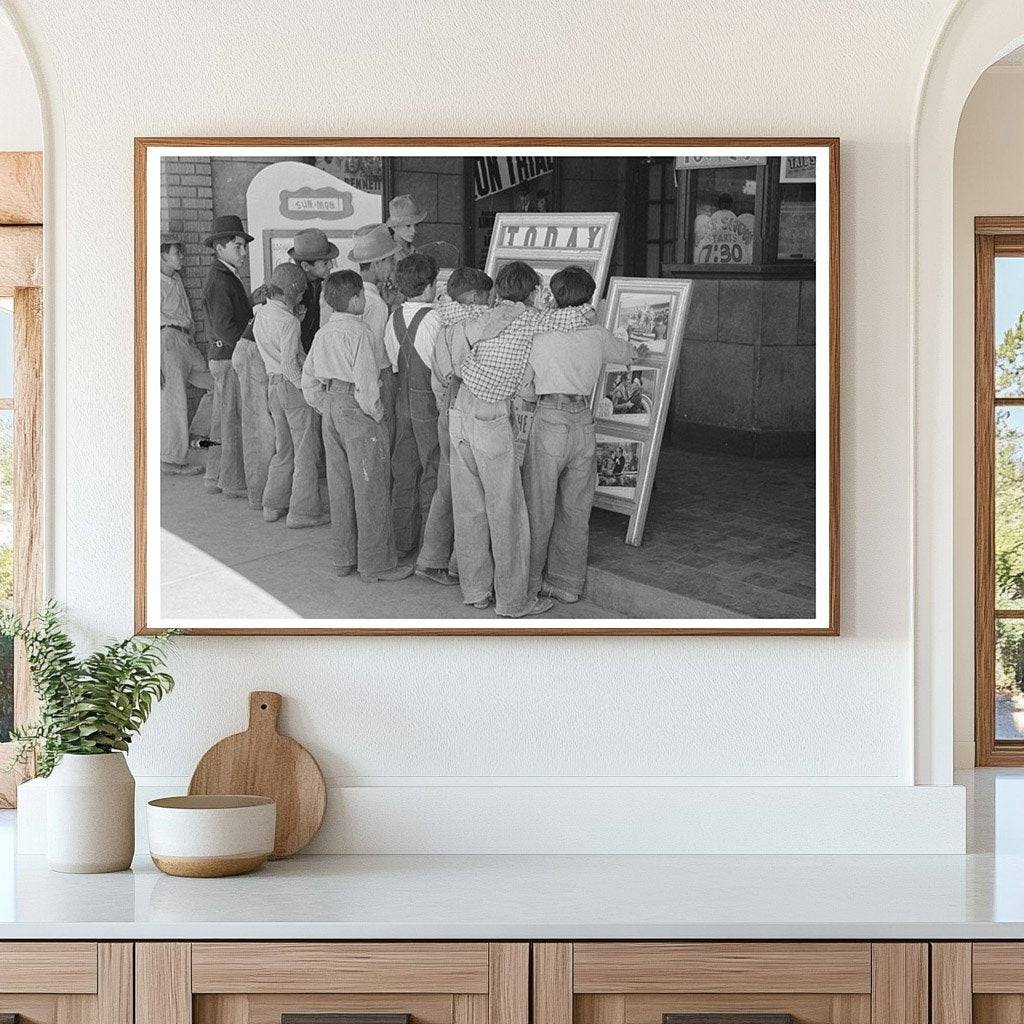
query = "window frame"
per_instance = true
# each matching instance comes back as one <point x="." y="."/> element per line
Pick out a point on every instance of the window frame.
<point x="993" y="237"/>
<point x="21" y="261"/>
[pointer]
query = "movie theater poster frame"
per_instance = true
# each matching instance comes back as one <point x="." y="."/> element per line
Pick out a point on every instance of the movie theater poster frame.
<point x="667" y="364"/>
<point x="597" y="262"/>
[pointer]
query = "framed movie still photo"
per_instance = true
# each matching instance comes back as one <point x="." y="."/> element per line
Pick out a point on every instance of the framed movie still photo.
<point x="333" y="337"/>
<point x="647" y="317"/>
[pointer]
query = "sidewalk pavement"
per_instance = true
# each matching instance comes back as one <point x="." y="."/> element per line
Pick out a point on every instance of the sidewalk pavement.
<point x="220" y="560"/>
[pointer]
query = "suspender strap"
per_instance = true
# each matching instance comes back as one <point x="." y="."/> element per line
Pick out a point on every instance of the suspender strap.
<point x="409" y="332"/>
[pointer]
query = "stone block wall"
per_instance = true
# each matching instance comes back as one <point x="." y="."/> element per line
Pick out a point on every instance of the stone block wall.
<point x="439" y="186"/>
<point x="746" y="379"/>
<point x="596" y="184"/>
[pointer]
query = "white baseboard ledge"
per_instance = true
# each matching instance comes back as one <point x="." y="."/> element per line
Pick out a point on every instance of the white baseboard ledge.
<point x="552" y="819"/>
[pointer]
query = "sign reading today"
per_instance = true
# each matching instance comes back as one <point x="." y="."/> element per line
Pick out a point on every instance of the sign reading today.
<point x="552" y="236"/>
<point x="493" y="174"/>
<point x="551" y="241"/>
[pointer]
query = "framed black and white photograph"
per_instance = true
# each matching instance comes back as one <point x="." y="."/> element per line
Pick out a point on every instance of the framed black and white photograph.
<point x="627" y="395"/>
<point x="369" y="371"/>
<point x="618" y="467"/>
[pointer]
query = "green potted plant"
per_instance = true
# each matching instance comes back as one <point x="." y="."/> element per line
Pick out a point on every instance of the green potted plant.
<point x="89" y="710"/>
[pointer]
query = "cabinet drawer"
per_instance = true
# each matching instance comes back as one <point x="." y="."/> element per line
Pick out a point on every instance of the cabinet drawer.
<point x="260" y="982"/>
<point x="340" y="967"/>
<point x="753" y="982"/>
<point x="48" y="967"/>
<point x="66" y="982"/>
<point x="635" y="967"/>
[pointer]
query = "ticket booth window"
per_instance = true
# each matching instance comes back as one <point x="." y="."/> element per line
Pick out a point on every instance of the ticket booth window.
<point x="747" y="218"/>
<point x="722" y="215"/>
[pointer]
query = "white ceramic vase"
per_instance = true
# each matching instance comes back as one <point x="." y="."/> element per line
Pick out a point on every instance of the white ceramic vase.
<point x="90" y="814"/>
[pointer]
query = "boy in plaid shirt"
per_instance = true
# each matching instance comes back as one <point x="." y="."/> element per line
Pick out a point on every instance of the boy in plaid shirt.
<point x="492" y="533"/>
<point x="468" y="292"/>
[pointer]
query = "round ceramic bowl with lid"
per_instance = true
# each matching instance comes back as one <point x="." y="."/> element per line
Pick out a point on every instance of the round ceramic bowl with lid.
<point x="211" y="836"/>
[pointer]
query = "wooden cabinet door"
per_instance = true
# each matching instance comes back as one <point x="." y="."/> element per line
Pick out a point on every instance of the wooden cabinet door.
<point x="977" y="983"/>
<point x="648" y="982"/>
<point x="263" y="982"/>
<point x="66" y="982"/>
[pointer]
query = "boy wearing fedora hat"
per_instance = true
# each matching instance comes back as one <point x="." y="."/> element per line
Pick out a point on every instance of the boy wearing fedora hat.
<point x="228" y="312"/>
<point x="181" y="363"/>
<point x="374" y="249"/>
<point x="293" y="486"/>
<point x="339" y="378"/>
<point x="404" y="214"/>
<point x="315" y="253"/>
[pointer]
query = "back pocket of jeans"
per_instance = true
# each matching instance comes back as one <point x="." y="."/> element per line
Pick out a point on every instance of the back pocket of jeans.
<point x="493" y="438"/>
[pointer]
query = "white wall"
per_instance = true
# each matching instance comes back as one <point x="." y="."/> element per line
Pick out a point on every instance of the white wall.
<point x="988" y="181"/>
<point x="21" y="124"/>
<point x="450" y="713"/>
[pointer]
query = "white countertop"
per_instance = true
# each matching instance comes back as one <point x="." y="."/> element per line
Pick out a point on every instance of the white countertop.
<point x="978" y="896"/>
<point x="531" y="897"/>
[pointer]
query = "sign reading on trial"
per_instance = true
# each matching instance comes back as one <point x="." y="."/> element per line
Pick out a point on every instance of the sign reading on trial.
<point x="492" y="174"/>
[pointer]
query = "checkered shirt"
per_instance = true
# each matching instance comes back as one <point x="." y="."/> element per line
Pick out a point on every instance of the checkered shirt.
<point x="452" y="312"/>
<point x="494" y="368"/>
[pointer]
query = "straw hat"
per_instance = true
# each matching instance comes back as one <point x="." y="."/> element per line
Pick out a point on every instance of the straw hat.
<point x="371" y="243"/>
<point x="404" y="210"/>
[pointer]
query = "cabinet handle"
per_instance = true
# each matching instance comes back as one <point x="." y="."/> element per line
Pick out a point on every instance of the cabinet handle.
<point x="337" y="1018"/>
<point x="728" y="1018"/>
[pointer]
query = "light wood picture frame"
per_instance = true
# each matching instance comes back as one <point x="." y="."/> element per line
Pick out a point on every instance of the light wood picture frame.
<point x="618" y="169"/>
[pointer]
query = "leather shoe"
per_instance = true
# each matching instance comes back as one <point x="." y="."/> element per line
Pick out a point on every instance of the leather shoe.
<point x="400" y="572"/>
<point x="438" y="576"/>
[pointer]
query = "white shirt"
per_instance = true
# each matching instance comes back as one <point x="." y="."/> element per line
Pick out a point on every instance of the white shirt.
<point x="426" y="333"/>
<point x="376" y="317"/>
<point x="278" y="335"/>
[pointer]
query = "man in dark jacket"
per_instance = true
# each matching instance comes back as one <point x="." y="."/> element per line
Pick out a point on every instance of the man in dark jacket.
<point x="228" y="312"/>
<point x="315" y="253"/>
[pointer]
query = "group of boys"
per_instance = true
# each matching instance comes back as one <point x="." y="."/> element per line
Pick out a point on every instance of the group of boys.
<point x="399" y="404"/>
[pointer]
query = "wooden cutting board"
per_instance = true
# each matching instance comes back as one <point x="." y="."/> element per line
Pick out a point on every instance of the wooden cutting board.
<point x="262" y="762"/>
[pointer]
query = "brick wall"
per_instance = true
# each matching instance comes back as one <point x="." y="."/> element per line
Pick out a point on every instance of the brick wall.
<point x="186" y="210"/>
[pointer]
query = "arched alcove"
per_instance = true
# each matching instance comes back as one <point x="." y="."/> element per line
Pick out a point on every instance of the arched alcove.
<point x="975" y="35"/>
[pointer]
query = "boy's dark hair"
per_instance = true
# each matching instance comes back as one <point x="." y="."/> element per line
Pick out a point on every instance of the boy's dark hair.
<point x="415" y="273"/>
<point x="166" y="247"/>
<point x="468" y="279"/>
<point x="572" y="286"/>
<point x="340" y="288"/>
<point x="516" y="281"/>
